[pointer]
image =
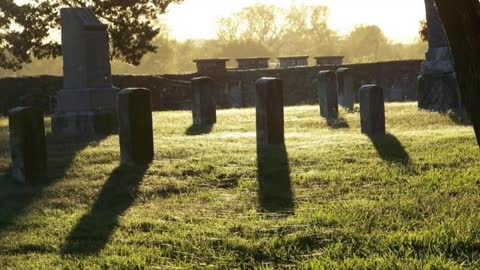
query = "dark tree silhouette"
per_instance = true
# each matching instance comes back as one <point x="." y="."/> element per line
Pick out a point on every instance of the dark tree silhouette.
<point x="462" y="23"/>
<point x="25" y="30"/>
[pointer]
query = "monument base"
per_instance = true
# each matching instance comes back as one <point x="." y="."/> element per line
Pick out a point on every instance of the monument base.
<point x="85" y="124"/>
<point x="438" y="60"/>
<point x="88" y="99"/>
<point x="440" y="93"/>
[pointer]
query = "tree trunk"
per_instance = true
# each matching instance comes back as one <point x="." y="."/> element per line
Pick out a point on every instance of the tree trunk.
<point x="461" y="19"/>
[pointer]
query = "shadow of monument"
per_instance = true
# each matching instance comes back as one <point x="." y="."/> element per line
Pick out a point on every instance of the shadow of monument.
<point x="391" y="149"/>
<point x="93" y="231"/>
<point x="195" y="130"/>
<point x="275" y="190"/>
<point x="16" y="198"/>
<point x="338" y="123"/>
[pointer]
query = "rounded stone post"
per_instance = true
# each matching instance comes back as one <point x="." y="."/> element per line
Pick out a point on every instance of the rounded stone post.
<point x="372" y="110"/>
<point x="269" y="111"/>
<point x="135" y="126"/>
<point x="203" y="101"/>
<point x="327" y="94"/>
<point x="346" y="94"/>
<point x="27" y="145"/>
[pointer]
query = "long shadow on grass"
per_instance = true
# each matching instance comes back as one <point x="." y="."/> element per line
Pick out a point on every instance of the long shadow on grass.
<point x="275" y="189"/>
<point x="195" y="130"/>
<point x="391" y="149"/>
<point x="16" y="198"/>
<point x="94" y="230"/>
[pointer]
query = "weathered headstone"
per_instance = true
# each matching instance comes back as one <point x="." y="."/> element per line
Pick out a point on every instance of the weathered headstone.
<point x="203" y="101"/>
<point x="27" y="145"/>
<point x="327" y="94"/>
<point x="372" y="110"/>
<point x="346" y="94"/>
<point x="86" y="104"/>
<point x="269" y="111"/>
<point x="135" y="126"/>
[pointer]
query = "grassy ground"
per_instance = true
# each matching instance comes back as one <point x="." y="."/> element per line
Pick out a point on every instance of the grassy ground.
<point x="332" y="199"/>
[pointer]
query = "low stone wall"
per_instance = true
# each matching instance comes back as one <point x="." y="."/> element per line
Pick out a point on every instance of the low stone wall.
<point x="398" y="79"/>
<point x="235" y="88"/>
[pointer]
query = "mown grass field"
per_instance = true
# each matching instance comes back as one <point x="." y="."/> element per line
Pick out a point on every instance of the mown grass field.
<point x="332" y="199"/>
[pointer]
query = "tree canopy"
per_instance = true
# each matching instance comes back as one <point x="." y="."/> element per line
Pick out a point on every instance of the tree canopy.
<point x="26" y="30"/>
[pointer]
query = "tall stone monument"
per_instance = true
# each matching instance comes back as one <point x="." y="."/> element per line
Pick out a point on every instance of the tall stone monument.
<point x="438" y="89"/>
<point x="86" y="105"/>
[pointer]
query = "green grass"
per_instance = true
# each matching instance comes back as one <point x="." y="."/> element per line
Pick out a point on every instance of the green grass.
<point x="408" y="201"/>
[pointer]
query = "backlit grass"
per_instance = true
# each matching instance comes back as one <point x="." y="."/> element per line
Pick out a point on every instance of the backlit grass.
<point x="332" y="199"/>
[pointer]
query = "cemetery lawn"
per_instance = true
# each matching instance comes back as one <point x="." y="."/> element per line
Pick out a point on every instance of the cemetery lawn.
<point x="408" y="201"/>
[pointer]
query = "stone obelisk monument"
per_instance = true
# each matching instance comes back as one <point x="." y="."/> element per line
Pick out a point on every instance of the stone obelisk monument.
<point x="438" y="89"/>
<point x="86" y="106"/>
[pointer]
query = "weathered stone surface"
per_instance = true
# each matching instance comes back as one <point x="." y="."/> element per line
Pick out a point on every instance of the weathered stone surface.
<point x="135" y="126"/>
<point x="346" y="92"/>
<point x="293" y="61"/>
<point x="437" y="87"/>
<point x="173" y="92"/>
<point x="439" y="93"/>
<point x="327" y="94"/>
<point x="269" y="111"/>
<point x="372" y="110"/>
<point x="204" y="110"/>
<point x="329" y="60"/>
<point x="87" y="80"/>
<point x="211" y="66"/>
<point x="27" y="145"/>
<point x="81" y="124"/>
<point x="253" y="63"/>
<point x="437" y="36"/>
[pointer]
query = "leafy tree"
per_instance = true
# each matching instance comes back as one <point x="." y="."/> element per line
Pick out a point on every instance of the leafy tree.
<point x="258" y="23"/>
<point x="367" y="43"/>
<point x="423" y="30"/>
<point x="307" y="28"/>
<point x="25" y="30"/>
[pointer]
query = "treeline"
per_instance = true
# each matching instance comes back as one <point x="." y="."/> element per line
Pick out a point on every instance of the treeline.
<point x="260" y="30"/>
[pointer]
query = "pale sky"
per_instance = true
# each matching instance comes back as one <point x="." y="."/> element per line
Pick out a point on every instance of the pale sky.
<point x="399" y="19"/>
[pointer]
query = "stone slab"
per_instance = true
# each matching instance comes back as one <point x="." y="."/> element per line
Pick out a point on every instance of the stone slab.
<point x="28" y="145"/>
<point x="269" y="111"/>
<point x="84" y="124"/>
<point x="135" y="126"/>
<point x="346" y="92"/>
<point x="203" y="101"/>
<point x="327" y="94"/>
<point x="372" y="110"/>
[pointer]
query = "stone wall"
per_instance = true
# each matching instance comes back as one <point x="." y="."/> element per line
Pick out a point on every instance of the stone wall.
<point x="398" y="79"/>
<point x="235" y="88"/>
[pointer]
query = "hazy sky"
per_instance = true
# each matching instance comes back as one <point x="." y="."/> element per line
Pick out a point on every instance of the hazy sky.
<point x="399" y="19"/>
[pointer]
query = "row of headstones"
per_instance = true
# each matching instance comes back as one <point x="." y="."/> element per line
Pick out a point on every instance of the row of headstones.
<point x="27" y="131"/>
<point x="337" y="87"/>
